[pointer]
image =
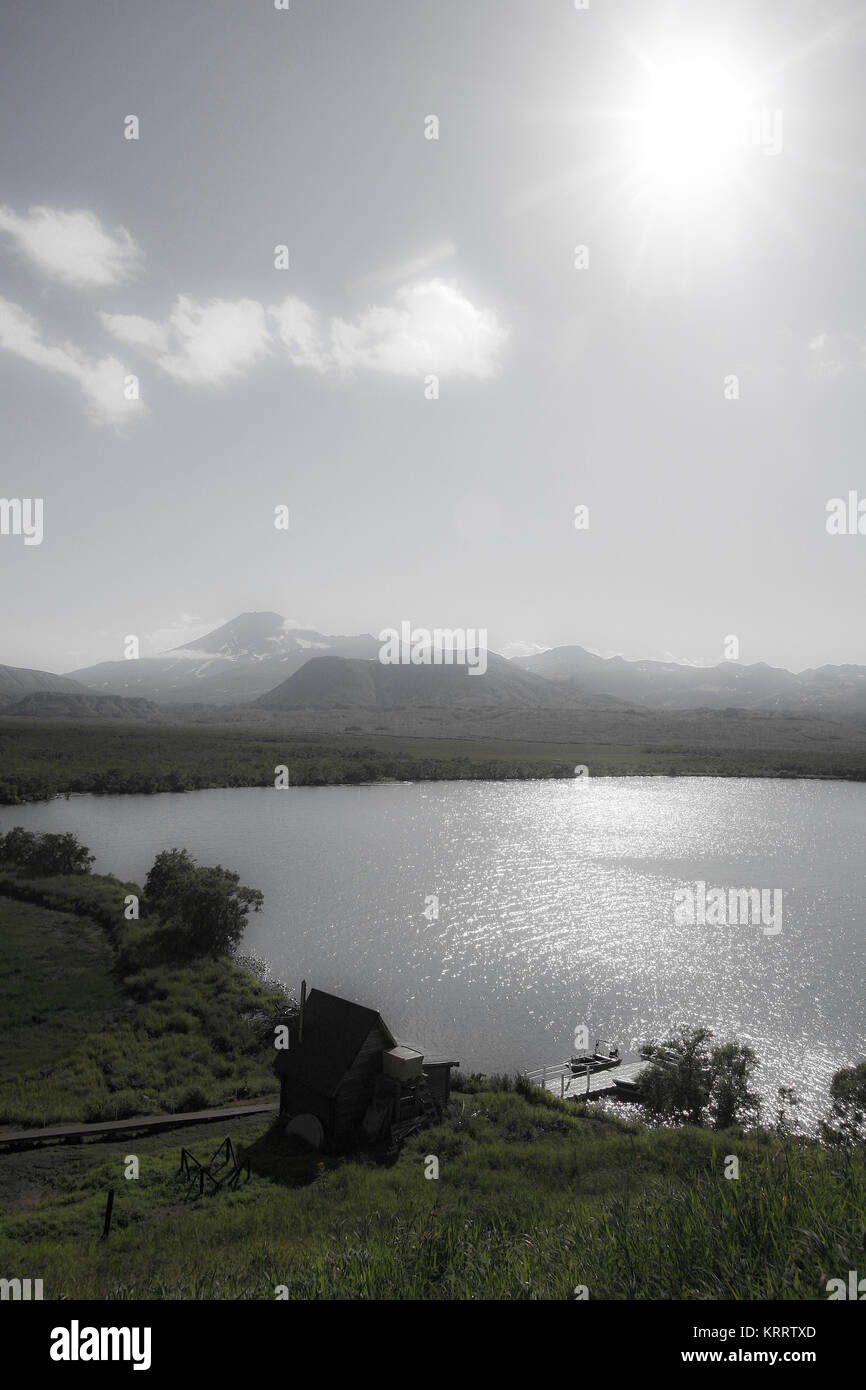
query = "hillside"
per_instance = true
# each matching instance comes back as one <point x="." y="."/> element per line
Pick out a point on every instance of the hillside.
<point x="139" y="1038"/>
<point x="48" y="704"/>
<point x="17" y="682"/>
<point x="535" y="1197"/>
<point x="330" y="682"/>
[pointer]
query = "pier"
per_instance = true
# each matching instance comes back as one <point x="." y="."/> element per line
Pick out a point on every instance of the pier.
<point x="558" y="1079"/>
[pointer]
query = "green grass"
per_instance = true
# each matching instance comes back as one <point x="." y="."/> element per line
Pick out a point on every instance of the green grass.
<point x="42" y="760"/>
<point x="57" y="985"/>
<point x="86" y="1037"/>
<point x="533" y="1199"/>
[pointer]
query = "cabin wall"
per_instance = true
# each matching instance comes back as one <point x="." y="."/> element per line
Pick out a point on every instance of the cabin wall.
<point x="297" y="1099"/>
<point x="439" y="1083"/>
<point x="357" y="1085"/>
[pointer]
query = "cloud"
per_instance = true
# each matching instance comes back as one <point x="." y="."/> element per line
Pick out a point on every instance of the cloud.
<point x="300" y="329"/>
<point x="200" y="344"/>
<point x="432" y="327"/>
<point x="513" y="651"/>
<point x="73" y="247"/>
<point x="101" y="379"/>
<point x="832" y="354"/>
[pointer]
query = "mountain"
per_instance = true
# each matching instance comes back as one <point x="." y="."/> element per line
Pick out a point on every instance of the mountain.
<point x="232" y="665"/>
<point x="333" y="695"/>
<point x="331" y="682"/>
<point x="257" y="655"/>
<point x="16" y="682"/>
<point x="60" y="704"/>
<point x="836" y="691"/>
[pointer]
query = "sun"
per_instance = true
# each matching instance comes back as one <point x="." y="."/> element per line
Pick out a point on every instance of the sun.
<point x="688" y="124"/>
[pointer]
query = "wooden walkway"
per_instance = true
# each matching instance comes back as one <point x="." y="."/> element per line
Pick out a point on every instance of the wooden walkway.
<point x="558" y="1079"/>
<point x="115" y="1129"/>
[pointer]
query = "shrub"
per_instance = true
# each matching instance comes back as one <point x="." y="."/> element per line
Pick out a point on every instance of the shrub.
<point x="45" y="855"/>
<point x="193" y="1098"/>
<point x="202" y="911"/>
<point x="689" y="1082"/>
<point x="846" y="1123"/>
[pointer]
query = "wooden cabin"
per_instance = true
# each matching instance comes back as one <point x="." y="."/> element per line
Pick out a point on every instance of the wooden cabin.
<point x="344" y="1066"/>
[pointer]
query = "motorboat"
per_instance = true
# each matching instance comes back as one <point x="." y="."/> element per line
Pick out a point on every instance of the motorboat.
<point x="603" y="1056"/>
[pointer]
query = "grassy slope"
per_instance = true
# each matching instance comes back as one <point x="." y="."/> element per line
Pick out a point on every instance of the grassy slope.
<point x="57" y="985"/>
<point x="531" y="1201"/>
<point x="81" y="1041"/>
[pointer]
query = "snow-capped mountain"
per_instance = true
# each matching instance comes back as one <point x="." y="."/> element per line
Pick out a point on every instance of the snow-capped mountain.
<point x="235" y="663"/>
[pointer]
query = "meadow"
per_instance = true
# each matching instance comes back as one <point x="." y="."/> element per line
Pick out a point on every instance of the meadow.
<point x="535" y="1199"/>
<point x="42" y="760"/>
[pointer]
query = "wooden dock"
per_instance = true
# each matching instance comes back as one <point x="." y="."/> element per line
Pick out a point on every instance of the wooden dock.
<point x="107" y="1130"/>
<point x="558" y="1079"/>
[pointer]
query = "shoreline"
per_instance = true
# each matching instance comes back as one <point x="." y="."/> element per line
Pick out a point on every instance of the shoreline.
<point x="395" y="781"/>
<point x="42" y="761"/>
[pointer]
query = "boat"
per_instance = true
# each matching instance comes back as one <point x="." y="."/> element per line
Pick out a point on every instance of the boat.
<point x="602" y="1058"/>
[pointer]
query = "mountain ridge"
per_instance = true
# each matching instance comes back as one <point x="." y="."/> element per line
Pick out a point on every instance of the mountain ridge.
<point x="833" y="690"/>
<point x="17" y="682"/>
<point x="254" y="654"/>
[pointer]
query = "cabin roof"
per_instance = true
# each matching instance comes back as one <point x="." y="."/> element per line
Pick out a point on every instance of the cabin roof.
<point x="404" y="1053"/>
<point x="334" y="1032"/>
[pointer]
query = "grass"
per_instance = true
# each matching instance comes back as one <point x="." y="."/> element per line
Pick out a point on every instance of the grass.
<point x="86" y="1037"/>
<point x="42" y="760"/>
<point x="534" y="1198"/>
<point x="44" y="1009"/>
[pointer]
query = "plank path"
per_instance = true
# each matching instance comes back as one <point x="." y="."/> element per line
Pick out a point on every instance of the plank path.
<point x="144" y="1124"/>
<point x="558" y="1078"/>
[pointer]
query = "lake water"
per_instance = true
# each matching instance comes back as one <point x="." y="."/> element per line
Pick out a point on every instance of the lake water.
<point x="555" y="906"/>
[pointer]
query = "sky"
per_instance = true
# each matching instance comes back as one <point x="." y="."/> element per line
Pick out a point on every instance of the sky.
<point x="439" y="376"/>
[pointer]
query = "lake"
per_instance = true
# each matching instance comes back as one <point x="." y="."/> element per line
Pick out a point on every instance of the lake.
<point x="556" y="906"/>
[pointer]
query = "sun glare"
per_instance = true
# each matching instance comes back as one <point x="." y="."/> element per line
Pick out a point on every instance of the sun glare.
<point x="689" y="126"/>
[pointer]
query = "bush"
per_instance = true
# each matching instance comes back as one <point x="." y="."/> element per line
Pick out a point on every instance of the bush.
<point x="119" y="1106"/>
<point x="201" y="911"/>
<point x="194" y="1098"/>
<point x="45" y="855"/>
<point x="846" y="1124"/>
<point x="688" y="1082"/>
